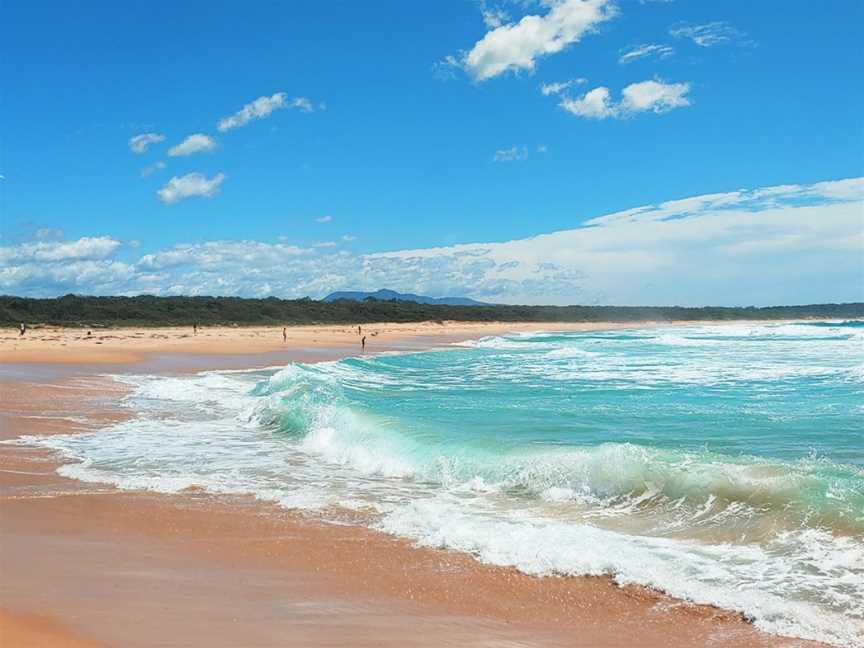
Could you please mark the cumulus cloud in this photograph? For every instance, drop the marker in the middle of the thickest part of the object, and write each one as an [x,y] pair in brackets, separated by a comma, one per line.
[645,96]
[646,50]
[140,143]
[261,108]
[512,154]
[87,248]
[710,34]
[783,244]
[197,143]
[594,104]
[516,46]
[192,184]
[558,87]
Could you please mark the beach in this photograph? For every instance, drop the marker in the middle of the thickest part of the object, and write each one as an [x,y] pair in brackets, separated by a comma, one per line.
[85,564]
[59,345]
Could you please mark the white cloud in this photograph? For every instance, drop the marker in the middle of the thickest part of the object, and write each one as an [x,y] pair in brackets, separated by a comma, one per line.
[197,143]
[645,96]
[215,255]
[782,244]
[261,108]
[495,17]
[734,248]
[325,244]
[654,96]
[86,248]
[153,168]
[558,87]
[324,219]
[140,143]
[594,104]
[192,184]
[710,34]
[648,50]
[348,238]
[517,46]
[512,154]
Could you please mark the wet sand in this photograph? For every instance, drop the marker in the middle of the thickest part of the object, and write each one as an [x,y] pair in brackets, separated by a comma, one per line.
[84,565]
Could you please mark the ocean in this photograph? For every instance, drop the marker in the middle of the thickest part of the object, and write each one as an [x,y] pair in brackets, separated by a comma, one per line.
[722,464]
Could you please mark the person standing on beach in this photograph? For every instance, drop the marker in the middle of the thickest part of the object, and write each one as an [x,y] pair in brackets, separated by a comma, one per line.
[195,329]
[23,329]
[359,330]
[363,344]
[284,334]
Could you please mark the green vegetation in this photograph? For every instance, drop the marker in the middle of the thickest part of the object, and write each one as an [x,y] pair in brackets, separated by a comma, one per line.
[146,310]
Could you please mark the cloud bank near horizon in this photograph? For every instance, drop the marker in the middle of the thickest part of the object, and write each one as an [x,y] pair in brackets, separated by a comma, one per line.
[775,245]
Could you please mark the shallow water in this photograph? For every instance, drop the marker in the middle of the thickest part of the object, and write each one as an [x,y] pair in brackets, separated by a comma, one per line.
[721,464]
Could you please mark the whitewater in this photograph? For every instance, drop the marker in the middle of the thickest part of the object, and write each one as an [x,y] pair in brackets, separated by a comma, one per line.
[722,464]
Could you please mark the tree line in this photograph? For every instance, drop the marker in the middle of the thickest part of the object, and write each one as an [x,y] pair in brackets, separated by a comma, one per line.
[148,310]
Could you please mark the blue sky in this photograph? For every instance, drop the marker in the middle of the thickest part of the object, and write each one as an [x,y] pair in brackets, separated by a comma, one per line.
[388,127]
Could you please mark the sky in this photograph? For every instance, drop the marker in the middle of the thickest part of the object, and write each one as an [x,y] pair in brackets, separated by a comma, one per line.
[519,151]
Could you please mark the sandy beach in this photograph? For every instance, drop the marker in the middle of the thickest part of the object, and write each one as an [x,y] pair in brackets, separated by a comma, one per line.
[85,565]
[48,344]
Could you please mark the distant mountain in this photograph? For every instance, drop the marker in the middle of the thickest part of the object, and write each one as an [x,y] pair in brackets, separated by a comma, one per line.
[387,295]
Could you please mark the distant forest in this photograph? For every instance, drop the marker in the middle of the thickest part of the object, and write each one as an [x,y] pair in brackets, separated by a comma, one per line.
[146,310]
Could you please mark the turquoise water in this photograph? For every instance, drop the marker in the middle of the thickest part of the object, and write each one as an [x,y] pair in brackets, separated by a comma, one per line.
[722,464]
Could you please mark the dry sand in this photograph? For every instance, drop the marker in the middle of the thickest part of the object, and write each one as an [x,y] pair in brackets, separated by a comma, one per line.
[84,566]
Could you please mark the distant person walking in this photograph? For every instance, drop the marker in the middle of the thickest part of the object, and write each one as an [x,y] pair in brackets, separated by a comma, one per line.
[22,328]
[359,330]
[284,334]
[195,329]
[363,343]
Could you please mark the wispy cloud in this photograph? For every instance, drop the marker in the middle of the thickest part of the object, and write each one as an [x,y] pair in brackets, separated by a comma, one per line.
[513,47]
[493,17]
[192,184]
[557,87]
[197,143]
[647,50]
[261,108]
[782,244]
[140,143]
[324,219]
[710,34]
[645,96]
[152,168]
[512,154]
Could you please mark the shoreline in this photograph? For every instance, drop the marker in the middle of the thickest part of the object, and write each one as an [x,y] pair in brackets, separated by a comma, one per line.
[134,345]
[260,555]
